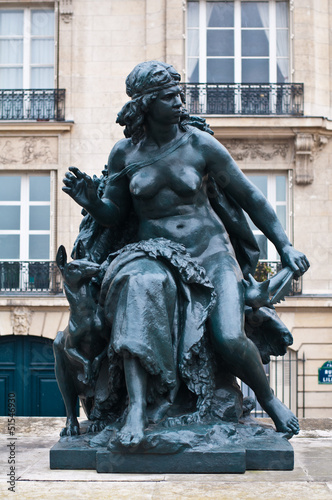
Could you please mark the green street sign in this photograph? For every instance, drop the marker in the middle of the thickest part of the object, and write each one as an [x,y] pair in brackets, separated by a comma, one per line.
[325,373]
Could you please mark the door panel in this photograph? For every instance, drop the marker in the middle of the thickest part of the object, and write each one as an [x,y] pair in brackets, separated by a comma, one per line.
[27,369]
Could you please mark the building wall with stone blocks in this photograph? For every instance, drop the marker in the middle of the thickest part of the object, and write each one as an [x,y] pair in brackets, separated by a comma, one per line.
[98,44]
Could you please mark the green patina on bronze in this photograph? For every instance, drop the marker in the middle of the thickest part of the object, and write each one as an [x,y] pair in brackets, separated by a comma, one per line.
[165,312]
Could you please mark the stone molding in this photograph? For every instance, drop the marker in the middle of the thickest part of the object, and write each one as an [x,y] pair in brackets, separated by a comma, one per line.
[252,150]
[66,10]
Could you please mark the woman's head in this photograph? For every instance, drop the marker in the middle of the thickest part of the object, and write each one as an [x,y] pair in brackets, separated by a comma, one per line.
[143,85]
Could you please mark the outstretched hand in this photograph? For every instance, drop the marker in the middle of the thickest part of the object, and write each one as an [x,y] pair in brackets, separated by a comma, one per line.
[80,187]
[294,259]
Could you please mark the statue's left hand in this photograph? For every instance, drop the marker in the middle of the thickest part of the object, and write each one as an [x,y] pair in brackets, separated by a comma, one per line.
[294,259]
[80,187]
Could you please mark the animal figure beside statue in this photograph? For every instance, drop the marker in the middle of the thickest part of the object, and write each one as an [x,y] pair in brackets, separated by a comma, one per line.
[81,365]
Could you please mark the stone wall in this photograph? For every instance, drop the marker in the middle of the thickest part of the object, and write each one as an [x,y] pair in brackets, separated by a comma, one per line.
[99,44]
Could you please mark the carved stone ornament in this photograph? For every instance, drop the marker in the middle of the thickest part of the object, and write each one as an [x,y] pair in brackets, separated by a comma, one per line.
[26,150]
[306,145]
[66,10]
[303,159]
[21,320]
[252,150]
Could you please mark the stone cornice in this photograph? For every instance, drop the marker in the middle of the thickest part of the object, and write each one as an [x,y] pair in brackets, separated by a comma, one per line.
[26,127]
[36,302]
[305,302]
[268,126]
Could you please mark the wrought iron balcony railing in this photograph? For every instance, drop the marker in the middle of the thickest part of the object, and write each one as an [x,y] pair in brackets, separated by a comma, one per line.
[244,99]
[33,104]
[266,269]
[30,277]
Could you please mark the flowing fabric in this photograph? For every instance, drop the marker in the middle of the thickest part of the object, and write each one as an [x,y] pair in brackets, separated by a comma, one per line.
[157,299]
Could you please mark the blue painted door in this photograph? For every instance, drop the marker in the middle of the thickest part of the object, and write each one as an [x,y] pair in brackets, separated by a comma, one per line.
[27,369]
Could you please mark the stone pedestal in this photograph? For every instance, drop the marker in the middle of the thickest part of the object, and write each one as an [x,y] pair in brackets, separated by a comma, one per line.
[229,448]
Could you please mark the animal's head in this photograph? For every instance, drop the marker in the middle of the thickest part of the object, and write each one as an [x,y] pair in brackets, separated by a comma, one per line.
[77,271]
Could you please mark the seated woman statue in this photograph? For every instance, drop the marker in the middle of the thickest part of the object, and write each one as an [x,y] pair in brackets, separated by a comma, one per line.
[176,297]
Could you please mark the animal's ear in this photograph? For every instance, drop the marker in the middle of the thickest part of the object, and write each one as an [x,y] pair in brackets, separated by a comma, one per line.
[80,250]
[61,257]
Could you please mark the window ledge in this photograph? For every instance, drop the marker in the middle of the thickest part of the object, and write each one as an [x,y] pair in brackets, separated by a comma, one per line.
[35,126]
[278,126]
[306,301]
[37,301]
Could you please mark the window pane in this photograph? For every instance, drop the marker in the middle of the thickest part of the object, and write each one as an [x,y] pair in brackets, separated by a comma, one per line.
[40,188]
[42,51]
[250,222]
[282,14]
[260,181]
[281,213]
[193,70]
[39,218]
[11,51]
[42,78]
[255,14]
[220,43]
[255,43]
[42,22]
[255,70]
[9,246]
[262,243]
[39,246]
[193,43]
[11,22]
[11,78]
[10,217]
[220,14]
[282,43]
[10,186]
[282,70]
[193,14]
[220,70]
[280,188]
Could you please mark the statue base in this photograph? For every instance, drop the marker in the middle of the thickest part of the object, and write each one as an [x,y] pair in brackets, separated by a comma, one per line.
[213,448]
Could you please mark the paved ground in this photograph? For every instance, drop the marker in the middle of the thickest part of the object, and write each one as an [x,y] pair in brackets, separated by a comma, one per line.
[310,479]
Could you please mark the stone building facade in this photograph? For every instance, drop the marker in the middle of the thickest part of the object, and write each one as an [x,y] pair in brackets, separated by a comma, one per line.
[87,48]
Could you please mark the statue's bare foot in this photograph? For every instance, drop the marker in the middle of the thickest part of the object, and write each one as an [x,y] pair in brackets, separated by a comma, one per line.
[132,432]
[72,427]
[285,420]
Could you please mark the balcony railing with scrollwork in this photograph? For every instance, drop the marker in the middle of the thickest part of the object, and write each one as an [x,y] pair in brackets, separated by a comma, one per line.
[36,277]
[266,269]
[244,99]
[33,104]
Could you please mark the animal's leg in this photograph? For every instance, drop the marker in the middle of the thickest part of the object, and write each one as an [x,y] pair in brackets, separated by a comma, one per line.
[67,387]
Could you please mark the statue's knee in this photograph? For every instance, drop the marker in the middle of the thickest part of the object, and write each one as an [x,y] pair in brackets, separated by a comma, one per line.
[151,280]
[233,348]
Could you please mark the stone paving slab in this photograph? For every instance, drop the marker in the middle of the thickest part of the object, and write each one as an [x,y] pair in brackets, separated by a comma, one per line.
[29,490]
[311,478]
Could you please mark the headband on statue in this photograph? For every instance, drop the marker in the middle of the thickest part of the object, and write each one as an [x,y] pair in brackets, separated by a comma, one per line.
[150,76]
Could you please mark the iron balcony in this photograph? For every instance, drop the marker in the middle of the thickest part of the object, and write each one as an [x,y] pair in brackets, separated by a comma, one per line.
[32,104]
[244,99]
[33,277]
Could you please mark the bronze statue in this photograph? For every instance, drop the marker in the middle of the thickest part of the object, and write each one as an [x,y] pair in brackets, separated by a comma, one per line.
[166,224]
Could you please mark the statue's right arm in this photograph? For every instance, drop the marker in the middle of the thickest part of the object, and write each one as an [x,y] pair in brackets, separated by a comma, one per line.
[113,207]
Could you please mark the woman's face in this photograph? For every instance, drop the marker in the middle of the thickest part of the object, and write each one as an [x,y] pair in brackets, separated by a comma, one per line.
[166,108]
